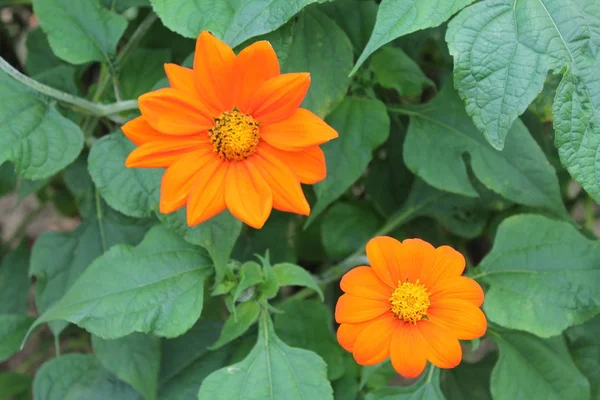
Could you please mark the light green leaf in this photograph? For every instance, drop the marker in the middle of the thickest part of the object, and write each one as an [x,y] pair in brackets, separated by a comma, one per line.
[542,276]
[584,346]
[13,384]
[14,281]
[250,274]
[156,287]
[534,368]
[427,388]
[12,331]
[217,235]
[308,325]
[363,125]
[81,31]
[355,17]
[348,226]
[134,359]
[141,70]
[78,377]
[393,69]
[440,133]
[293,275]
[272,370]
[237,324]
[322,48]
[397,18]
[33,134]
[132,191]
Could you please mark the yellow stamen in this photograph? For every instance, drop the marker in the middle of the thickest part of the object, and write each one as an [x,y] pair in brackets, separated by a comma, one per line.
[410,301]
[235,135]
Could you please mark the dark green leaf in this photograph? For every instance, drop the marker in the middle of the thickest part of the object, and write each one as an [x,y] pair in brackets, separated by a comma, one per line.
[293,275]
[14,281]
[8,178]
[355,17]
[346,387]
[12,384]
[250,275]
[12,331]
[393,69]
[469,381]
[428,388]
[142,69]
[236,325]
[28,187]
[122,5]
[377,376]
[40,57]
[584,345]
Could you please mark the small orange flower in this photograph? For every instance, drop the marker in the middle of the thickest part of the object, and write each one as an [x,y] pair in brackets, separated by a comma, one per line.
[231,135]
[412,304]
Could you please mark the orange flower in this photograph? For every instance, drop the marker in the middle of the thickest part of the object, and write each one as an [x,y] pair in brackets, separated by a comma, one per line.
[412,304]
[231,135]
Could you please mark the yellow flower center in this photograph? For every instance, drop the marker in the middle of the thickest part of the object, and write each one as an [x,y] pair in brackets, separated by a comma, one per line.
[234,136]
[410,301]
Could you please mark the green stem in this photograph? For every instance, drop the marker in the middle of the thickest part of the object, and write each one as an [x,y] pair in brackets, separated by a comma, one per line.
[136,37]
[401,110]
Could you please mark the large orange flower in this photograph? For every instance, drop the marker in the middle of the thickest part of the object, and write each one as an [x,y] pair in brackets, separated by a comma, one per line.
[231,135]
[412,304]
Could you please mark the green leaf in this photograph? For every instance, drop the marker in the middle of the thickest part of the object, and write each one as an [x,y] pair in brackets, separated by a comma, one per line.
[156,287]
[134,359]
[584,346]
[33,134]
[355,17]
[13,384]
[14,281]
[28,187]
[534,368]
[377,376]
[78,377]
[40,57]
[322,48]
[82,31]
[250,275]
[397,18]
[363,126]
[270,285]
[61,77]
[141,70]
[346,387]
[308,325]
[280,39]
[347,227]
[232,21]
[427,388]
[217,235]
[293,275]
[132,191]
[541,275]
[272,370]
[236,325]
[393,69]
[8,178]
[12,331]
[440,132]
[123,5]
[469,381]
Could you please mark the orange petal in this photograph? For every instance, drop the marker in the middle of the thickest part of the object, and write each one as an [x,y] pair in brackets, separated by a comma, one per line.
[214,67]
[383,254]
[408,350]
[175,112]
[443,348]
[255,65]
[279,97]
[287,192]
[308,164]
[372,345]
[362,282]
[207,198]
[347,334]
[415,256]
[355,309]
[162,154]
[180,177]
[301,129]
[247,194]
[182,79]
[139,131]
[447,263]
[465,320]
[460,288]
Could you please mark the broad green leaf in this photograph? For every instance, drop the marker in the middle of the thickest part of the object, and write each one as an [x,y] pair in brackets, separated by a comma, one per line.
[272,370]
[355,17]
[427,388]
[134,359]
[237,324]
[346,387]
[250,274]
[122,5]
[141,70]
[584,346]
[393,69]
[78,377]
[377,376]
[8,178]
[33,134]
[14,281]
[503,50]
[363,125]
[293,275]
[534,368]
[232,21]
[397,18]
[13,384]
[217,235]
[347,227]
[12,331]
[132,191]
[308,325]
[541,275]
[40,57]
[81,31]
[440,133]
[322,48]
[156,287]
[469,381]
